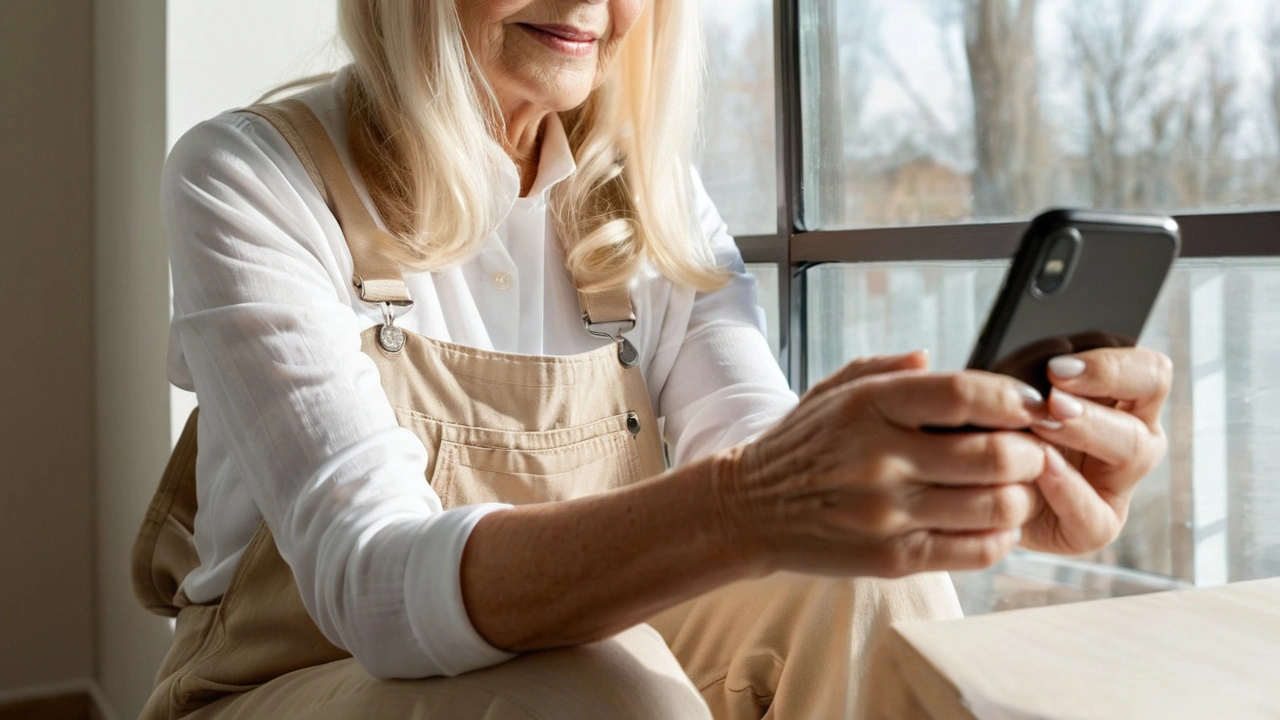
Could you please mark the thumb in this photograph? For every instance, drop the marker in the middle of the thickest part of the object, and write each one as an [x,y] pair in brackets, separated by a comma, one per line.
[874,365]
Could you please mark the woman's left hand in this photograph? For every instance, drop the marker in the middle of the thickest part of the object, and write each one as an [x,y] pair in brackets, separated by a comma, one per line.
[1104,418]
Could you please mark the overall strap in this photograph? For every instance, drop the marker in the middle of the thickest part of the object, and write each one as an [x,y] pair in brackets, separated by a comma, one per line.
[377,276]
[608,314]
[612,305]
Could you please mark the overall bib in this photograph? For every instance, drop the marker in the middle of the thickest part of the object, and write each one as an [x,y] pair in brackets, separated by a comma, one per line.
[516,429]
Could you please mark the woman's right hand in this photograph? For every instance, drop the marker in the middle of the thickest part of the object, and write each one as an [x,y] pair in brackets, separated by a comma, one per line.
[850,484]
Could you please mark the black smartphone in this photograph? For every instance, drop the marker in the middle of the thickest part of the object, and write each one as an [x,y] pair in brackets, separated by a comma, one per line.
[1081,280]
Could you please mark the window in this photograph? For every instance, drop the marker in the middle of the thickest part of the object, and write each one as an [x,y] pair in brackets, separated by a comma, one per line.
[736,152]
[963,110]
[1207,514]
[736,155]
[766,275]
[916,136]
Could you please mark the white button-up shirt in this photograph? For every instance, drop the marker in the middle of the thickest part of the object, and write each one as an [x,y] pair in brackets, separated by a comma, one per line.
[296,429]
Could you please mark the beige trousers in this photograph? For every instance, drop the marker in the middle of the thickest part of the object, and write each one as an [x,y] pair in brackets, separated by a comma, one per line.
[629,677]
[788,647]
[794,646]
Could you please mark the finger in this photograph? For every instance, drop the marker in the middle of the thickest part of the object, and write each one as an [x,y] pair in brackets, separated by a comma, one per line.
[941,550]
[977,458]
[863,367]
[1113,436]
[970,397]
[1086,521]
[1139,375]
[1003,507]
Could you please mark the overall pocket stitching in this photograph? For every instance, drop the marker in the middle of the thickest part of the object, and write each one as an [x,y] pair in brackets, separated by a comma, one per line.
[618,446]
[521,439]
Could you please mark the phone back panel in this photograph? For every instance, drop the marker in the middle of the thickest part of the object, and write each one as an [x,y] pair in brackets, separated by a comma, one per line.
[1120,266]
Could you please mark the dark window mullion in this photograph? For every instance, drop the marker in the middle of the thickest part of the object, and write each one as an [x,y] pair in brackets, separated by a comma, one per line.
[790,169]
[1205,235]
[761,248]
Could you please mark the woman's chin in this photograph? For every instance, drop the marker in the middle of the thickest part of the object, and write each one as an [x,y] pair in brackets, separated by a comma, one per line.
[557,97]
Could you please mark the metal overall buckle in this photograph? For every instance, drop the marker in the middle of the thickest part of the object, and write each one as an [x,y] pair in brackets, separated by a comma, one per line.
[627,353]
[390,337]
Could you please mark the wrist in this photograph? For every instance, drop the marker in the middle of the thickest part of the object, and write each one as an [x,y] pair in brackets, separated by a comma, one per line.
[737,519]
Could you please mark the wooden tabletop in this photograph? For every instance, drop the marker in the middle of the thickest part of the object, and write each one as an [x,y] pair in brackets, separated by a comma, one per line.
[1211,653]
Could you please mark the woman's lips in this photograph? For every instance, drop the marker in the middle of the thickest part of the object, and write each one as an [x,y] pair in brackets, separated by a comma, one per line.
[564,39]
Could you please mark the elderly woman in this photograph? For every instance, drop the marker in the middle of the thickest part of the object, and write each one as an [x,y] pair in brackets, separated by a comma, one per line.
[433,308]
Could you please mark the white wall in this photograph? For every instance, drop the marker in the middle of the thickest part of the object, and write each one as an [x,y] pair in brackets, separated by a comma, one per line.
[46,345]
[92,95]
[161,66]
[226,54]
[132,317]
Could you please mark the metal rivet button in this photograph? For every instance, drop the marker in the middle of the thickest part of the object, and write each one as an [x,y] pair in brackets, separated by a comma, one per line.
[633,424]
[502,281]
[391,338]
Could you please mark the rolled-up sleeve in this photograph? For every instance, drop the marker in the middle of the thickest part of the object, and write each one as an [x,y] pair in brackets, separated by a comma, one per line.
[725,386]
[272,346]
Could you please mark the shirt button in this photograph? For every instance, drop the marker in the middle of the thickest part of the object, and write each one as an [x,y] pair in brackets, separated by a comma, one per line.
[502,281]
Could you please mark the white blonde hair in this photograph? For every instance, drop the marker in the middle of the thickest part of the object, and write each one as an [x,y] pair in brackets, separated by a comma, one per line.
[424,138]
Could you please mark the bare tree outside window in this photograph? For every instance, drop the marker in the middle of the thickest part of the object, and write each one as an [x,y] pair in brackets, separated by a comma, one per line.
[1004,76]
[1163,110]
[1270,37]
[927,111]
[980,110]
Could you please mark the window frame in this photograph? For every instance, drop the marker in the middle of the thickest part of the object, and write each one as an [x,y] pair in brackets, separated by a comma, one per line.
[793,249]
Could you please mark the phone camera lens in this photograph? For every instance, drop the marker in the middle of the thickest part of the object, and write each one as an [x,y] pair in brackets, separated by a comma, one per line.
[1055,267]
[1049,281]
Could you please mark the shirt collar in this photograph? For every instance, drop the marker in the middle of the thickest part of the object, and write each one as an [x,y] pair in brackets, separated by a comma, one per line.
[556,161]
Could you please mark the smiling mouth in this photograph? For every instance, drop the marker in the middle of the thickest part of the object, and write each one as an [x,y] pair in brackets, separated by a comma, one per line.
[564,39]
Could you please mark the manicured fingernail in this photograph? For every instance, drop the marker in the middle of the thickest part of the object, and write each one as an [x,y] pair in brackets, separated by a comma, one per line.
[1065,407]
[1049,424]
[1066,367]
[1031,397]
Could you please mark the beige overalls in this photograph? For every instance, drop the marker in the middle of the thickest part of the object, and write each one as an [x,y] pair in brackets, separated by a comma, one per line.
[515,429]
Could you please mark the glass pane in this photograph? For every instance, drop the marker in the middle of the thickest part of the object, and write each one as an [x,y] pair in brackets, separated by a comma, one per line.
[1209,513]
[736,152]
[878,308]
[766,275]
[943,111]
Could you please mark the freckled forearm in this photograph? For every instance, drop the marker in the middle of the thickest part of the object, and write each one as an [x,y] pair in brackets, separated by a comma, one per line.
[560,574]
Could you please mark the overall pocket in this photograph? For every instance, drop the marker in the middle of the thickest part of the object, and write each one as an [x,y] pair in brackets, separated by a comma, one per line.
[480,465]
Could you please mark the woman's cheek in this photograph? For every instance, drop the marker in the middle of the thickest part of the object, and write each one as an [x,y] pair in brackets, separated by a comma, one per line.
[498,9]
[623,17]
[624,14]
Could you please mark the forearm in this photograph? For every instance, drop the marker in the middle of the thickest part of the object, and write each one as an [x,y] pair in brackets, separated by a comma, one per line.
[559,574]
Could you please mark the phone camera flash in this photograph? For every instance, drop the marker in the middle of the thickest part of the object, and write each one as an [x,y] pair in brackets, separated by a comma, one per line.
[1055,267]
